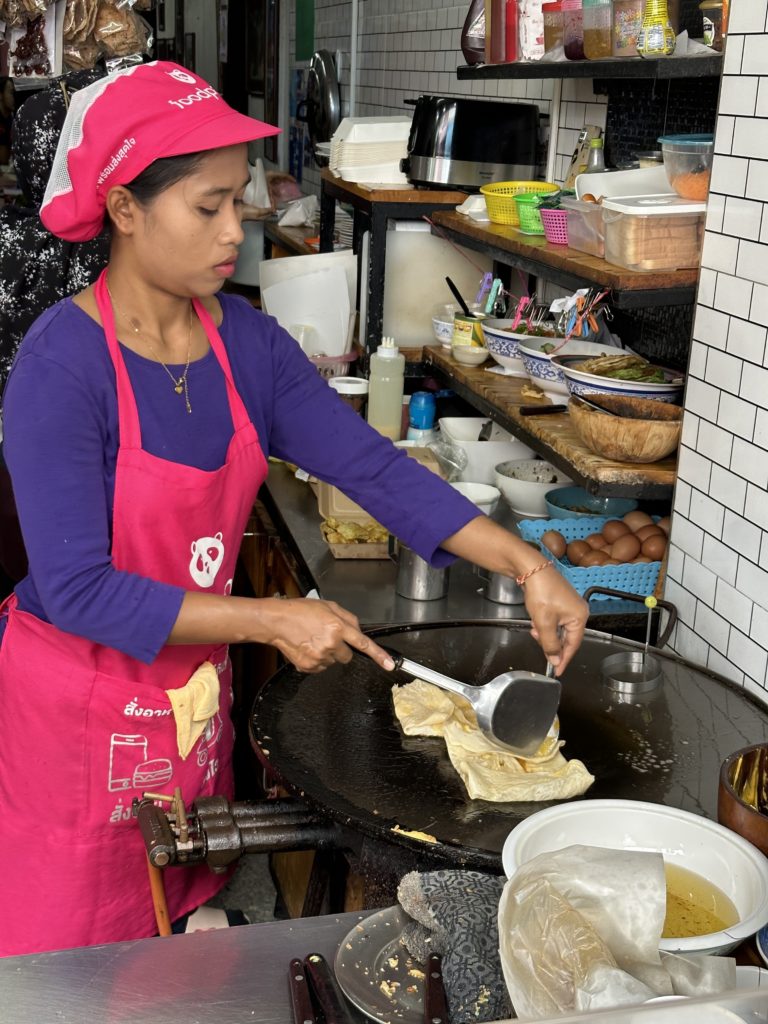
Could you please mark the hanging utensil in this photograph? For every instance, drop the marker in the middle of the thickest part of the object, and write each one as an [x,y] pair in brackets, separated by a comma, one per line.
[516,709]
[650,604]
[458,296]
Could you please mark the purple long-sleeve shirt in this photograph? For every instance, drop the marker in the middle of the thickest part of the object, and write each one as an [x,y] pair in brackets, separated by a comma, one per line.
[61,438]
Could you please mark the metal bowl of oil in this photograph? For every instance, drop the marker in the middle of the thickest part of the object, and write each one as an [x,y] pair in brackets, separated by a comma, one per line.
[742,797]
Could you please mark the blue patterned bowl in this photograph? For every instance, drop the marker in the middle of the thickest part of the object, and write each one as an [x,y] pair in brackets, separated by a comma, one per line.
[543,371]
[580,383]
[502,344]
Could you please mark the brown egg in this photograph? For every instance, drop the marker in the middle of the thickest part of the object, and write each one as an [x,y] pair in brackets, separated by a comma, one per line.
[636,519]
[641,559]
[596,540]
[576,551]
[592,558]
[614,529]
[625,548]
[648,531]
[654,547]
[664,524]
[555,542]
[611,561]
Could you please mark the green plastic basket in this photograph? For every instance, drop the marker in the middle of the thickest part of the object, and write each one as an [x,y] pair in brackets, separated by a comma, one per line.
[528,212]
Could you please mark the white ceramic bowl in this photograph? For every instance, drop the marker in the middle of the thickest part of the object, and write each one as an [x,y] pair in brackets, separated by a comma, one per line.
[482,456]
[469,355]
[696,843]
[503,344]
[484,496]
[548,375]
[525,482]
[443,330]
[580,383]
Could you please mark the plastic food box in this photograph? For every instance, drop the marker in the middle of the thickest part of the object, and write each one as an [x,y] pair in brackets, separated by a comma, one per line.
[660,232]
[585,226]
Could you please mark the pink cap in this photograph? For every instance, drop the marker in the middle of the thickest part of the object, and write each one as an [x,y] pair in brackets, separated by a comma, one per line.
[119,125]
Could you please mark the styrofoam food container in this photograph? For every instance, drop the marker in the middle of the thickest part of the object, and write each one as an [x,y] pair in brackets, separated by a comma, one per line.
[482,456]
[634,182]
[485,496]
[525,483]
[548,375]
[690,840]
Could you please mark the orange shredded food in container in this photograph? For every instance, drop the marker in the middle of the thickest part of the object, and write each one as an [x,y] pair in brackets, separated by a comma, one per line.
[692,185]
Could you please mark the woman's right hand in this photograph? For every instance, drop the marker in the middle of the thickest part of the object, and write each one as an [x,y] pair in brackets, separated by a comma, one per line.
[313,635]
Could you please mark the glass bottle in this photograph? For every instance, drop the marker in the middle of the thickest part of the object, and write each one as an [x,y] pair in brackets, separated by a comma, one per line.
[627,22]
[573,30]
[657,37]
[473,33]
[553,25]
[596,158]
[597,22]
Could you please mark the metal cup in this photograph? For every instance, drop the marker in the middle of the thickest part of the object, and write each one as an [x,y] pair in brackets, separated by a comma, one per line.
[417,579]
[503,589]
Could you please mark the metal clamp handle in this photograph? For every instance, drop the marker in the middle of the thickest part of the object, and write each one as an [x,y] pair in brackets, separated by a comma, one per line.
[666,605]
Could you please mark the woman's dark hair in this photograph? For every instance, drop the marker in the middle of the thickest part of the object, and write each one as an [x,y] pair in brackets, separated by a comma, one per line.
[161,175]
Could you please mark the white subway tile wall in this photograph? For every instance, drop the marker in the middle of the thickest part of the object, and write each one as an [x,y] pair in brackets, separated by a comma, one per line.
[720,523]
[407,48]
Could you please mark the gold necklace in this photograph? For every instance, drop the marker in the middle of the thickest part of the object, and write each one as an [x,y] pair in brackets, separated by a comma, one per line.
[180,384]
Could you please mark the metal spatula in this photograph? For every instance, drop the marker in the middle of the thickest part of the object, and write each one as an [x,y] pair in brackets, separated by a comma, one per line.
[515,709]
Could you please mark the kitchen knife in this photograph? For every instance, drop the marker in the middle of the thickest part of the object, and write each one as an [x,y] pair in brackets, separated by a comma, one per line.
[327,992]
[435,1004]
[301,1002]
[541,410]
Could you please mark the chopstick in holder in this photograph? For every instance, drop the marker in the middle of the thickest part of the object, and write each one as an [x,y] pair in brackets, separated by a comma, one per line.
[327,992]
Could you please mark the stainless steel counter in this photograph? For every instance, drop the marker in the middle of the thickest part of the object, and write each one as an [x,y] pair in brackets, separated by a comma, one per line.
[367,587]
[229,976]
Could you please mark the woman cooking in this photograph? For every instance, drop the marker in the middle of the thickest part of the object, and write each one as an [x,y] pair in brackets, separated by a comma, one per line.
[138,419]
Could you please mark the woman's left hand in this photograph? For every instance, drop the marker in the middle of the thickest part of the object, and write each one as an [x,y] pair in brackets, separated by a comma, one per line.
[558,616]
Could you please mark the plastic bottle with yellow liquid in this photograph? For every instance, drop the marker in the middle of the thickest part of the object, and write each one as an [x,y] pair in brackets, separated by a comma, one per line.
[657,37]
[385,389]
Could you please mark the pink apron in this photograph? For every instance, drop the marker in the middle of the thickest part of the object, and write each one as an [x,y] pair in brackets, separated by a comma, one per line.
[86,728]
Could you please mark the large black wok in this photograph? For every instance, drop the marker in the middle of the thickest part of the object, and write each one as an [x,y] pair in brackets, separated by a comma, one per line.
[333,738]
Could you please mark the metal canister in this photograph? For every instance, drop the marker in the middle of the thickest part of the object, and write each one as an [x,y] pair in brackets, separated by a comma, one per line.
[467,330]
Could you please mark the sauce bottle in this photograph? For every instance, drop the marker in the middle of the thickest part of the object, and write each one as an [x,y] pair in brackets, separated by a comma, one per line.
[385,389]
[657,37]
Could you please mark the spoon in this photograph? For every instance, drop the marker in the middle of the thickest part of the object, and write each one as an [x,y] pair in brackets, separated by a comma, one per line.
[458,296]
[650,604]
[516,709]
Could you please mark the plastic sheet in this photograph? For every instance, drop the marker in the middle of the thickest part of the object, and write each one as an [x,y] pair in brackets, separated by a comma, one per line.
[579,930]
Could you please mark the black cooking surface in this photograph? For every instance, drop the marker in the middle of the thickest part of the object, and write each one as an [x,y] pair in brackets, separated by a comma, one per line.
[334,738]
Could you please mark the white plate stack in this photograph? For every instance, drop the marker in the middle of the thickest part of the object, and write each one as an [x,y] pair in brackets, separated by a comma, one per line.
[369,149]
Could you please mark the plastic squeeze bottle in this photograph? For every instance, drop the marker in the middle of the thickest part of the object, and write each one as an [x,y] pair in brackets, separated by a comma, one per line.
[385,389]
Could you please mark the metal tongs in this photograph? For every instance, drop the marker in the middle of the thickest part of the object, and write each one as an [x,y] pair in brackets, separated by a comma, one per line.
[516,709]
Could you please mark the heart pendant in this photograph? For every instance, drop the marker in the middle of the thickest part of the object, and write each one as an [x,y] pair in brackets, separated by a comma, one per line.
[178,389]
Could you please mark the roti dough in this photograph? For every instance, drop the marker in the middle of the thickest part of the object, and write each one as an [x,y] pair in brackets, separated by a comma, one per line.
[489,771]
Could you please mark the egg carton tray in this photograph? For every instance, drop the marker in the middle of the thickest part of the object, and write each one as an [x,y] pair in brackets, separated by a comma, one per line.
[633,578]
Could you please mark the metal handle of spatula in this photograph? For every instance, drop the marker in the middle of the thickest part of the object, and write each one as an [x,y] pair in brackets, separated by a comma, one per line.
[516,709]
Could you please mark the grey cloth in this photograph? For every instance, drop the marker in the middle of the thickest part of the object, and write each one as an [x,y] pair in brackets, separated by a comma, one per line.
[455,914]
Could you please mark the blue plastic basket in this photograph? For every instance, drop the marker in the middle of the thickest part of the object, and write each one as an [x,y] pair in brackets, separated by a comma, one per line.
[639,578]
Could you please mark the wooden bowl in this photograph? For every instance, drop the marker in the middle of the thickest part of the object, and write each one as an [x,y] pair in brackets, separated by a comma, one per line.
[742,797]
[642,430]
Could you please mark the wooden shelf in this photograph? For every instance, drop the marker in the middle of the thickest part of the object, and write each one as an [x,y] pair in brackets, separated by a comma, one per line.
[552,434]
[708,65]
[568,267]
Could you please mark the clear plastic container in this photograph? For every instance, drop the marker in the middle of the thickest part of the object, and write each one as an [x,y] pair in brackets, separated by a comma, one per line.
[573,30]
[627,21]
[653,233]
[712,13]
[597,24]
[553,25]
[585,226]
[688,163]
